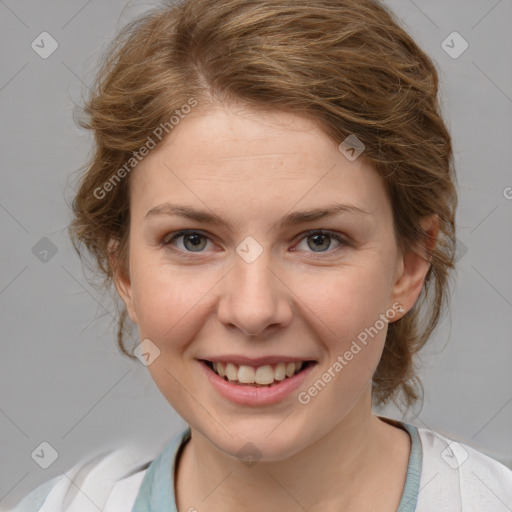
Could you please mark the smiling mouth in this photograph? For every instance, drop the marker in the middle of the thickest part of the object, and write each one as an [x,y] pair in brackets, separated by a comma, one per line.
[262,376]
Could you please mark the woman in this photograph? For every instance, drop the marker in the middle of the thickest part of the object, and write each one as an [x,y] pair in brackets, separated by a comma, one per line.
[273,196]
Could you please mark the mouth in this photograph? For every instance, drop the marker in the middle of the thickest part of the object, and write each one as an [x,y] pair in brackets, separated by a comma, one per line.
[265,376]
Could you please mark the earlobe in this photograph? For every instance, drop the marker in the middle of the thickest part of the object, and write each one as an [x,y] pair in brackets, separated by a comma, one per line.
[122,282]
[124,289]
[414,265]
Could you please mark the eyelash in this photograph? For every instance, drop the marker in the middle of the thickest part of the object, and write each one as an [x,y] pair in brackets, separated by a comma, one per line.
[166,242]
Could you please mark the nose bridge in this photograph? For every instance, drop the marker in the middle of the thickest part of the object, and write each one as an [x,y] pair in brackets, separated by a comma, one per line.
[254,298]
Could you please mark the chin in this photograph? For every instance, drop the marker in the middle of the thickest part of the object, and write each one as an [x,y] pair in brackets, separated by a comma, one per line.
[261,441]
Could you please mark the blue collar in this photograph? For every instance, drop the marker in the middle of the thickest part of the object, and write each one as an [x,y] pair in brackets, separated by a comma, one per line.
[412,480]
[156,493]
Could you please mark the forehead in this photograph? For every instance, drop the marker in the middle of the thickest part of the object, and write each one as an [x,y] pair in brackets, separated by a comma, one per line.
[238,157]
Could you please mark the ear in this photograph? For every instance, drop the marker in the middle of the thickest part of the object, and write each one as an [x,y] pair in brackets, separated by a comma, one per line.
[413,266]
[121,280]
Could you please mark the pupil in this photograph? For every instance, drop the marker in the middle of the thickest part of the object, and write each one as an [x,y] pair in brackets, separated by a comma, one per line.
[323,237]
[195,239]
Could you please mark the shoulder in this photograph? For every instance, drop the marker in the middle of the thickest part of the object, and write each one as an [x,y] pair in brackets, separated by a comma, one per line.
[457,476]
[108,482]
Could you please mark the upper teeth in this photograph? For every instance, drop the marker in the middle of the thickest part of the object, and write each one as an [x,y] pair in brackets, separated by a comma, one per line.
[261,375]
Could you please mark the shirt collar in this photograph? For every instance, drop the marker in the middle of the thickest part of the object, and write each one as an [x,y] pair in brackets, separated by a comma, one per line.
[156,493]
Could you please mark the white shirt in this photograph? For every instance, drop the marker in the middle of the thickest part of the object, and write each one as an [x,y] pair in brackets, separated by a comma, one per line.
[443,476]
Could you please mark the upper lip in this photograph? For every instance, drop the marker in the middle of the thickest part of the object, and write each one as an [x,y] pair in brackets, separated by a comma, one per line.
[255,361]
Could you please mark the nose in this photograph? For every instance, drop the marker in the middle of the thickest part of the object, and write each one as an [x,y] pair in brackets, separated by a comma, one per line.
[254,298]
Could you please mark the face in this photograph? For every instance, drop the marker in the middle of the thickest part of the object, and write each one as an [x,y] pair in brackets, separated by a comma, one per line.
[249,280]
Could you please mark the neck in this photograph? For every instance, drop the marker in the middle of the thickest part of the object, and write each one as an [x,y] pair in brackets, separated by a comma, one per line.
[340,469]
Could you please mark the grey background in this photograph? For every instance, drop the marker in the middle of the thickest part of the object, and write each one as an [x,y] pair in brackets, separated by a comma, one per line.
[62,379]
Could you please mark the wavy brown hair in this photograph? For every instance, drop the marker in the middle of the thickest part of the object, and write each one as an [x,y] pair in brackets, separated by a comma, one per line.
[347,64]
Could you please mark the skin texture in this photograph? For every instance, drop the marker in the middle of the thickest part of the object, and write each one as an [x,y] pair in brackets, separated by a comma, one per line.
[296,298]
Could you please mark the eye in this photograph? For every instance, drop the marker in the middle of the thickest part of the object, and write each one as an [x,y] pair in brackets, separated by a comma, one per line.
[322,240]
[192,241]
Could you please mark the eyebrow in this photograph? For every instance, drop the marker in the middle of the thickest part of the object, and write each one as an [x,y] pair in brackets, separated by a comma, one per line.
[291,219]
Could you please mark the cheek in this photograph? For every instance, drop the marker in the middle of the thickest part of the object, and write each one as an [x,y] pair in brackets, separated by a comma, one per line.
[167,300]
[347,318]
[346,301]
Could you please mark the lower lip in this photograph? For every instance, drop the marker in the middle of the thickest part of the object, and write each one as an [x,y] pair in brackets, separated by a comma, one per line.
[251,395]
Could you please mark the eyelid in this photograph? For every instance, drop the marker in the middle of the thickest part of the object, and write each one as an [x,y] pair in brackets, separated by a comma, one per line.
[169,237]
[333,234]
